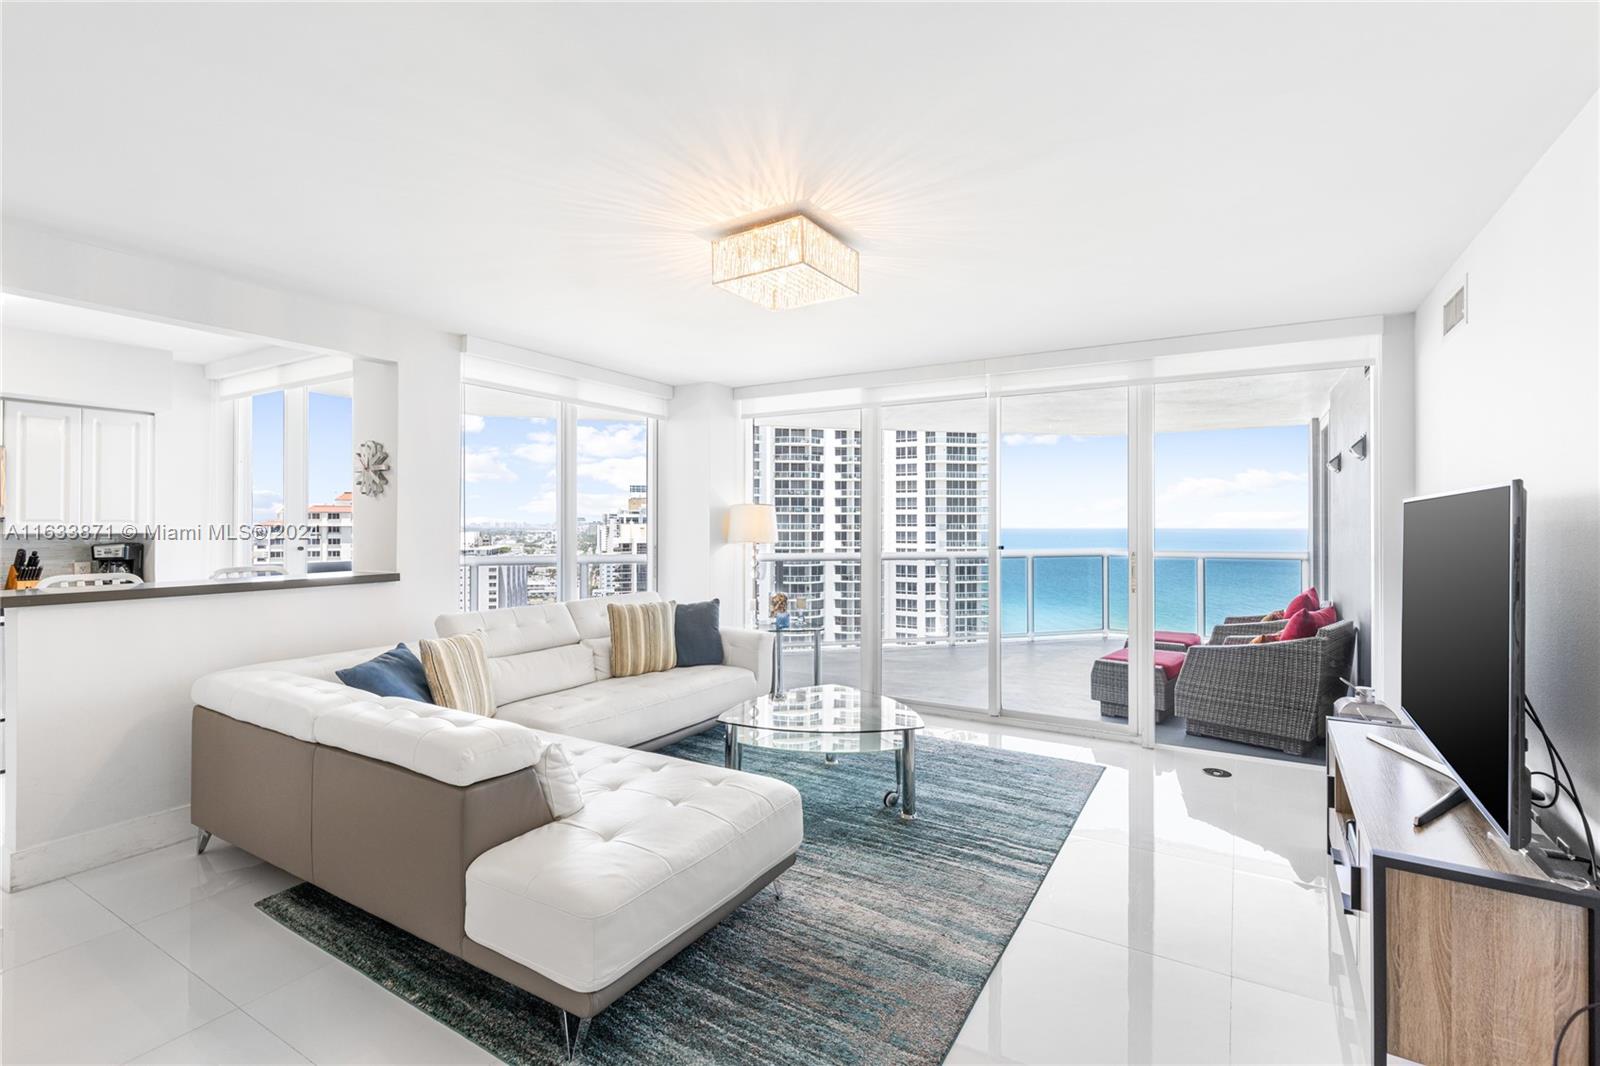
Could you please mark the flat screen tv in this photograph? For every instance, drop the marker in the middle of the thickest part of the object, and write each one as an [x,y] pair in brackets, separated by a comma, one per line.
[1461,653]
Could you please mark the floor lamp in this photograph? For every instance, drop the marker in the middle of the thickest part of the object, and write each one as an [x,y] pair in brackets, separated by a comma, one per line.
[754,524]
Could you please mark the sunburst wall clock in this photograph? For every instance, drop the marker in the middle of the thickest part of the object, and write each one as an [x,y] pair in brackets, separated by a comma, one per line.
[372,468]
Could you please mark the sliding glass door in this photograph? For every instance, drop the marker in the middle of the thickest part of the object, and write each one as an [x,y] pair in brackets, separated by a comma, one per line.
[1065,609]
[935,553]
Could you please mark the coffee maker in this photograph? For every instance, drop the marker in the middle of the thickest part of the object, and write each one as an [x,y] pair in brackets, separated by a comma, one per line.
[124,557]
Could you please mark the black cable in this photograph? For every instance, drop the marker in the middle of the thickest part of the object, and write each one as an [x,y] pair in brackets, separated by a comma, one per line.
[1571,788]
[1555,1060]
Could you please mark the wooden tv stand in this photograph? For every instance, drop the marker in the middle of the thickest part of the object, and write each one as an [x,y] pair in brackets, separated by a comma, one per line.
[1465,950]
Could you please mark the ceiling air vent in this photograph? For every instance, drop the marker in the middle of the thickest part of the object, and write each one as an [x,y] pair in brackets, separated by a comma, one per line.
[1455,309]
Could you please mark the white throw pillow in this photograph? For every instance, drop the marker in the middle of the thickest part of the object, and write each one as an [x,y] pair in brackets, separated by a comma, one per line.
[559,781]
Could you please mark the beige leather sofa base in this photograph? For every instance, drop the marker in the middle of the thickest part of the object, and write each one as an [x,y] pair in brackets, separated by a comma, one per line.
[390,841]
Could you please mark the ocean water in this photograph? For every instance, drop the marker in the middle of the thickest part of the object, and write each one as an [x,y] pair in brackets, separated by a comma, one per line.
[1069,591]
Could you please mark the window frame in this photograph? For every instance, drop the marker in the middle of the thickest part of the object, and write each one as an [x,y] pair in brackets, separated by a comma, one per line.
[295,473]
[567,560]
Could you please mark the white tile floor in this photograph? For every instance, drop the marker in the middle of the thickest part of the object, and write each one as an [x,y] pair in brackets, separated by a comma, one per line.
[1185,921]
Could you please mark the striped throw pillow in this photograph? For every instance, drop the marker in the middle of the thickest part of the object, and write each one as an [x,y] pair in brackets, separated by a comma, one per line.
[458,673]
[642,638]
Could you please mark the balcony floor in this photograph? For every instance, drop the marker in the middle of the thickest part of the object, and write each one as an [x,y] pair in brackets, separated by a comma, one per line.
[1048,676]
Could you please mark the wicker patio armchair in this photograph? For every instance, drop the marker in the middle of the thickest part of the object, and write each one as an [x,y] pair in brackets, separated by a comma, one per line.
[1245,625]
[1275,695]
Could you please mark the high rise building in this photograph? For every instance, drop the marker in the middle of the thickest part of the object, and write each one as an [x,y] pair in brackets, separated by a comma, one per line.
[328,535]
[624,532]
[936,502]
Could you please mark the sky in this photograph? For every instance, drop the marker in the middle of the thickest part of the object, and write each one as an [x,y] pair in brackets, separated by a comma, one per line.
[511,467]
[1215,479]
[1209,479]
[330,453]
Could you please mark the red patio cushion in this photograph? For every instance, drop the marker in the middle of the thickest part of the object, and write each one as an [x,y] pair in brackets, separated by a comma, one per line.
[1304,624]
[1172,636]
[1170,661]
[1306,601]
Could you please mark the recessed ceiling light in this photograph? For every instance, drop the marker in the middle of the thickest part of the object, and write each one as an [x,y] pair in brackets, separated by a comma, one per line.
[788,263]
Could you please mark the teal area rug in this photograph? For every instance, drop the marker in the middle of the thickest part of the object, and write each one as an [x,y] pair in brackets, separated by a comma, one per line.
[885,935]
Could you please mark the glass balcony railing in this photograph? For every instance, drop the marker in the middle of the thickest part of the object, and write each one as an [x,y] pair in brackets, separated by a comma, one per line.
[944,596]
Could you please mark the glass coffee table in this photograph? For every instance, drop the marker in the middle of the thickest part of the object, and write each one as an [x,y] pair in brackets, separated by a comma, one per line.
[830,720]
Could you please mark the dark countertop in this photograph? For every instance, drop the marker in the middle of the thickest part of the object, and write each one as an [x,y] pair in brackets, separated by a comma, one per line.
[154,590]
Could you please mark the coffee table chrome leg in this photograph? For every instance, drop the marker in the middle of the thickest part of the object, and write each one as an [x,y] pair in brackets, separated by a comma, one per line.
[906,767]
[730,747]
[777,661]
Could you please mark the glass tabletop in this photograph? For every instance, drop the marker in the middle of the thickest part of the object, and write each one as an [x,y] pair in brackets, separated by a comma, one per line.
[823,709]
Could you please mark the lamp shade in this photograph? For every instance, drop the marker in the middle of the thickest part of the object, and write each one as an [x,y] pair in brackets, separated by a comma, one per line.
[752,523]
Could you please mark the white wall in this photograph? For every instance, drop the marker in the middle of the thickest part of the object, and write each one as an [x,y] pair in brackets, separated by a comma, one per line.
[98,707]
[701,473]
[1348,509]
[100,758]
[1515,392]
[376,405]
[88,373]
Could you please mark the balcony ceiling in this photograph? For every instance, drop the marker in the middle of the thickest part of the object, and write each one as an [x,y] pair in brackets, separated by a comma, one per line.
[1016,179]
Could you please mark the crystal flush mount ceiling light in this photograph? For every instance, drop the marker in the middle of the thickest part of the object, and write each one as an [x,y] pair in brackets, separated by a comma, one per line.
[788,263]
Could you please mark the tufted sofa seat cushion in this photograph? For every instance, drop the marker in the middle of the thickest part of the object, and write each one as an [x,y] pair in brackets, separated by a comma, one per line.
[624,710]
[659,843]
[302,698]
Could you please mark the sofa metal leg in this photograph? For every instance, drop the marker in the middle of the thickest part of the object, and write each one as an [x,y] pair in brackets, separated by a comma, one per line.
[201,841]
[573,1030]
[777,887]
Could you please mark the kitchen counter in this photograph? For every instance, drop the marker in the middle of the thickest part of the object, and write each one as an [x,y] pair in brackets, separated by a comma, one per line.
[152,590]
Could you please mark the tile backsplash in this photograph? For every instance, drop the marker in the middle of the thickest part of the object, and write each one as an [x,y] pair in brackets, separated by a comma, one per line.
[56,555]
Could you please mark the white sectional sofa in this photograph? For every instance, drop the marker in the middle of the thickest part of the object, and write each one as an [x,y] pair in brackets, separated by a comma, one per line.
[442,823]
[550,666]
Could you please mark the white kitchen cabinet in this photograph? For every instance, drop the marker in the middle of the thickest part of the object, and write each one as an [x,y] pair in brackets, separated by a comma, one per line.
[71,465]
[116,466]
[44,447]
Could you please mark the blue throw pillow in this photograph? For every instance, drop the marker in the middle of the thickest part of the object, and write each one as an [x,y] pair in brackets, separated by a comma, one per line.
[697,628]
[394,673]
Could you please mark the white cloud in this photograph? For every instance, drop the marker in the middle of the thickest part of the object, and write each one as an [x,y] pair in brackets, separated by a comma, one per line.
[1018,439]
[623,473]
[541,448]
[619,440]
[486,464]
[472,423]
[1245,483]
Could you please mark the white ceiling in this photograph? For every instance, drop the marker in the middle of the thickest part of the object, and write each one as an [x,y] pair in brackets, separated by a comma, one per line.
[186,345]
[1016,178]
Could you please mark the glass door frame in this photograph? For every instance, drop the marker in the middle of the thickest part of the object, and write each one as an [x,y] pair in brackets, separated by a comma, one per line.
[1141,701]
[1141,601]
